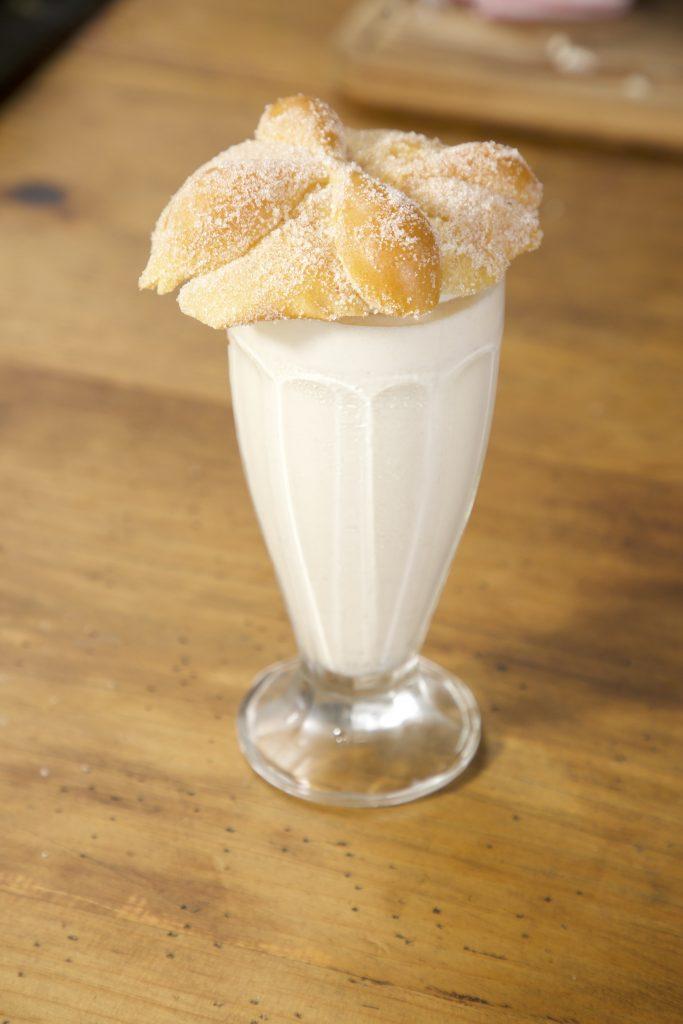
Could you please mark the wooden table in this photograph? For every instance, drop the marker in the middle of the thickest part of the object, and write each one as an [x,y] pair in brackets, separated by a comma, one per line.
[145,874]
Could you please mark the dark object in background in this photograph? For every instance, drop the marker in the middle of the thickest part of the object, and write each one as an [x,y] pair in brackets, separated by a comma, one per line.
[31,30]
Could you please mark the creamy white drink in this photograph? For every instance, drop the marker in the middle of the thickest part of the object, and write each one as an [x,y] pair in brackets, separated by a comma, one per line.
[363,443]
[363,385]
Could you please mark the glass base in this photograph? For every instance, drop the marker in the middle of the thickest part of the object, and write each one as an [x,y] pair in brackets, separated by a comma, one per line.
[367,742]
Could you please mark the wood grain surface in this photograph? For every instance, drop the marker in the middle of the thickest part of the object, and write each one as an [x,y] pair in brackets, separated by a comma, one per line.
[145,874]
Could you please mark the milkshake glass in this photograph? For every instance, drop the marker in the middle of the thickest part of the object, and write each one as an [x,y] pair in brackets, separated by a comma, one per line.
[363,443]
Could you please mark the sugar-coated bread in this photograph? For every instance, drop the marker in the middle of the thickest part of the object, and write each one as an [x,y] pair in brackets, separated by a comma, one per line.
[312,220]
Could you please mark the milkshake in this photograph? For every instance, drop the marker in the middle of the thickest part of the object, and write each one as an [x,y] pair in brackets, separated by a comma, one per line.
[363,443]
[360,276]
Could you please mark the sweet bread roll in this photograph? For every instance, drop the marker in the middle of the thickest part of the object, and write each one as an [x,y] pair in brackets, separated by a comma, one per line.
[312,220]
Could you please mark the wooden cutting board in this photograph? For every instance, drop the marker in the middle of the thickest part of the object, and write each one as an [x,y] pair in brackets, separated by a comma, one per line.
[619,80]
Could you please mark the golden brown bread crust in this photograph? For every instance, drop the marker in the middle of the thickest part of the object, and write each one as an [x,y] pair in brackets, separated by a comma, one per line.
[294,272]
[312,220]
[224,209]
[303,121]
[481,199]
[386,246]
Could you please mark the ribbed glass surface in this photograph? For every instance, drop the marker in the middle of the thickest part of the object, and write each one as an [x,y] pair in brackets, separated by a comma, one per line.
[363,490]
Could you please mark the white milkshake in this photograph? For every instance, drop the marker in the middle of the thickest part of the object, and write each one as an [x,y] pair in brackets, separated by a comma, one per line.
[363,443]
[363,401]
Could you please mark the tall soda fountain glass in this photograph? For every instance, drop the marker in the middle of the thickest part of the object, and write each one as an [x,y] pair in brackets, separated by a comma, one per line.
[363,443]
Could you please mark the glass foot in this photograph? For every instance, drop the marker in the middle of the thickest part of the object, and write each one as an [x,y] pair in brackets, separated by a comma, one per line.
[368,742]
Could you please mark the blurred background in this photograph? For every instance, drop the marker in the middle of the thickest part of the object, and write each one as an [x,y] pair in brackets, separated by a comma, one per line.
[108,106]
[597,68]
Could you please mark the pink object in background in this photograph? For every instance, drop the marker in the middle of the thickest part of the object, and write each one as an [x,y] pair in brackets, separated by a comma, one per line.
[550,10]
